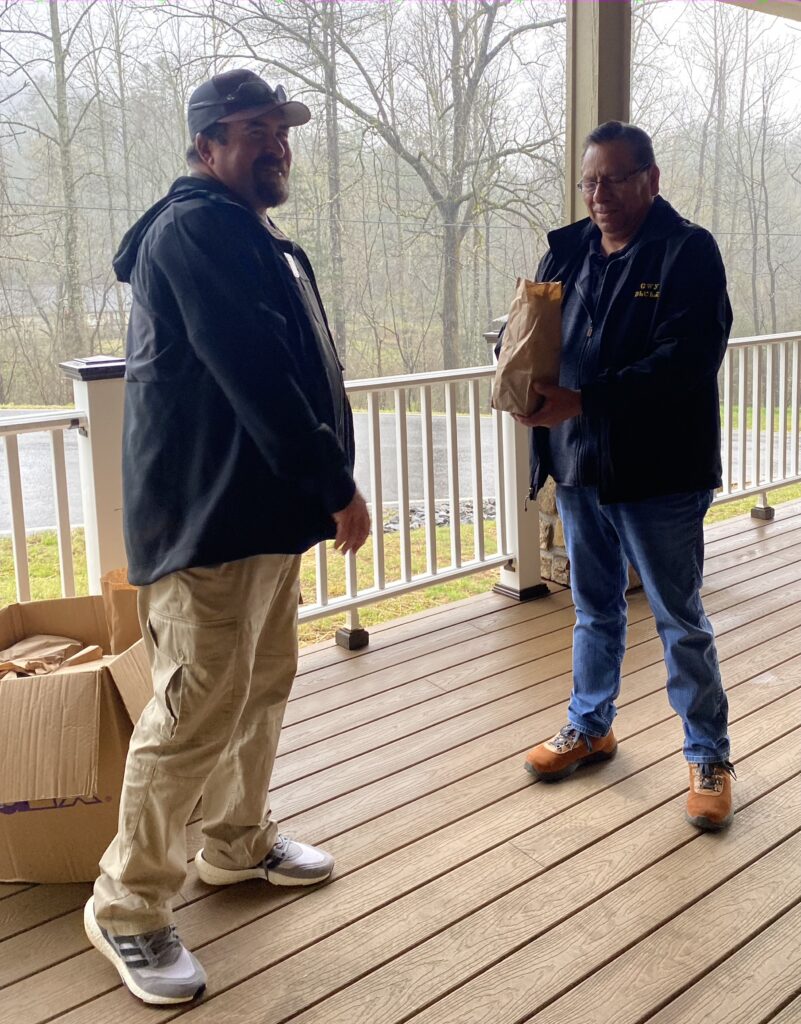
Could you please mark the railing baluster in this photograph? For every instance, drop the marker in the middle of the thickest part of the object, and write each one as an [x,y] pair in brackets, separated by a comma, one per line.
[321,568]
[376,487]
[351,584]
[769,425]
[349,636]
[500,481]
[728,433]
[352,620]
[794,422]
[402,453]
[478,489]
[742,417]
[427,425]
[62,513]
[18,536]
[782,410]
[756,418]
[453,475]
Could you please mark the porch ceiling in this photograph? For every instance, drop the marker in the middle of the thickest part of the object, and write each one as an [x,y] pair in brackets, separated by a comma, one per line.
[781,8]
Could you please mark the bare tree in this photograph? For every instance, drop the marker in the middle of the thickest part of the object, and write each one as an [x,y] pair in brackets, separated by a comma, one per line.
[447,52]
[47,43]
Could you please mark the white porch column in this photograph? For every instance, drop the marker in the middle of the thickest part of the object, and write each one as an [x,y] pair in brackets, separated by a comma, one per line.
[598,81]
[520,576]
[98,388]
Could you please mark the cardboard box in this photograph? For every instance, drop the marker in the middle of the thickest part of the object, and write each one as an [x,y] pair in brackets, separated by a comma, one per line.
[63,742]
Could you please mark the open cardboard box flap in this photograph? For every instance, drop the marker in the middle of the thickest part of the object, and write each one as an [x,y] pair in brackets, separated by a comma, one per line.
[80,618]
[131,674]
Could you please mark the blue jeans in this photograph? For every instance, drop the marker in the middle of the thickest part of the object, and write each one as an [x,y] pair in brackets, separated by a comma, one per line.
[663,539]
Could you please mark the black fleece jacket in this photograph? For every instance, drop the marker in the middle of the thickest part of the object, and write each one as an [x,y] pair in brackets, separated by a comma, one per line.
[238,435]
[660,336]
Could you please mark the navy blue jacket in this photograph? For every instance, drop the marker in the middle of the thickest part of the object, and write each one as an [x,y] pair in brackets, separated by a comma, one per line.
[238,435]
[661,336]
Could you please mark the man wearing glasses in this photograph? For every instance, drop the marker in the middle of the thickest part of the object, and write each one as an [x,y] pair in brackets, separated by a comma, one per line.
[632,438]
[237,457]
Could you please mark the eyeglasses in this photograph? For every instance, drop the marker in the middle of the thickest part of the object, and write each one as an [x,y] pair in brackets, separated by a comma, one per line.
[613,182]
[248,94]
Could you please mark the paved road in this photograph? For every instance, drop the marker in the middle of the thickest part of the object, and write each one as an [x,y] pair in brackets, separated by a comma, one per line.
[37,484]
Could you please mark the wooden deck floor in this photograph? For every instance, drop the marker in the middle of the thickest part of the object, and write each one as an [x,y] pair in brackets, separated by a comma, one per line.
[465,892]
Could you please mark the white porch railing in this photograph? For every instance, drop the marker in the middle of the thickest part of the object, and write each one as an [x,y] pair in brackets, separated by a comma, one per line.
[431,453]
[438,456]
[439,461]
[759,386]
[55,423]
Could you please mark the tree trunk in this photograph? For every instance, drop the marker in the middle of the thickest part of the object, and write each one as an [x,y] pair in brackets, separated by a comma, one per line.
[334,185]
[121,91]
[719,168]
[451,244]
[475,327]
[487,266]
[74,313]
[771,266]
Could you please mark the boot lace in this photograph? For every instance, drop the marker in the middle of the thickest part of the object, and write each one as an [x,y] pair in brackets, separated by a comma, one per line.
[567,738]
[710,776]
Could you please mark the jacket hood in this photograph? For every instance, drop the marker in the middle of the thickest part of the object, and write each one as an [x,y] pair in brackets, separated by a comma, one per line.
[182,189]
[662,220]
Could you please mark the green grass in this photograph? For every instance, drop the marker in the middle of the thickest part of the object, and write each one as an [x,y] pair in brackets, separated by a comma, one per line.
[742,507]
[46,583]
[749,418]
[43,566]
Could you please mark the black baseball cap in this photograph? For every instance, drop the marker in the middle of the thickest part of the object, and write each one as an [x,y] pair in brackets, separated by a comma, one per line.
[237,96]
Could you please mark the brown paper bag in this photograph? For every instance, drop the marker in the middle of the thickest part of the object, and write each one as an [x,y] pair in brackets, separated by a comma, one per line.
[531,346]
[119,600]
[91,653]
[37,655]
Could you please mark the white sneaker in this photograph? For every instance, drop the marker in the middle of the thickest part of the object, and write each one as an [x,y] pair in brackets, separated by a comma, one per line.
[155,966]
[288,863]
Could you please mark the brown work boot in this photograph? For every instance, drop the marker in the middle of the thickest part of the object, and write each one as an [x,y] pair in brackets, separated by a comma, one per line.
[568,750]
[709,800]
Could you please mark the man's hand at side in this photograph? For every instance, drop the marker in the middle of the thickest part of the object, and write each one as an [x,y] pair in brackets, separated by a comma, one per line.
[353,525]
[560,404]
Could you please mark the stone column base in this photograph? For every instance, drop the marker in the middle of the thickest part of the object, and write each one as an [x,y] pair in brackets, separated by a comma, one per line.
[554,563]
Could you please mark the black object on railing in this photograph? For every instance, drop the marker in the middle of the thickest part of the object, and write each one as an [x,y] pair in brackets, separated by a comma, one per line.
[94,368]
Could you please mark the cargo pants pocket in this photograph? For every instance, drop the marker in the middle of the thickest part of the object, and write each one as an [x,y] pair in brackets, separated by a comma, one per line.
[194,678]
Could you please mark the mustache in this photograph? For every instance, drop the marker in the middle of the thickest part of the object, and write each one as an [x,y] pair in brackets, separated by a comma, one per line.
[269,163]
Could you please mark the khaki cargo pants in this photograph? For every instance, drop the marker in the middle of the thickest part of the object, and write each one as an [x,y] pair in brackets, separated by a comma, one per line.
[223,648]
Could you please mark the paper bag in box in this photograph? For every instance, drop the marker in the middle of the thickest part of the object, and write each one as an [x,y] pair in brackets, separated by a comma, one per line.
[119,599]
[530,348]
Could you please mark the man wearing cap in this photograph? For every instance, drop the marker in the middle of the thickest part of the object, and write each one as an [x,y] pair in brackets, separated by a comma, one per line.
[237,457]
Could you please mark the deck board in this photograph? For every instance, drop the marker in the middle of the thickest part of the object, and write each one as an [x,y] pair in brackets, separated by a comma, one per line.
[790,1013]
[464,891]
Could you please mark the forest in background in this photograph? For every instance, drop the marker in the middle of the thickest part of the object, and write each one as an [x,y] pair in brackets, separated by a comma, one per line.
[426,181]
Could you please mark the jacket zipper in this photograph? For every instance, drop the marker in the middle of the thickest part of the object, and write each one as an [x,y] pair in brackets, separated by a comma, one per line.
[579,366]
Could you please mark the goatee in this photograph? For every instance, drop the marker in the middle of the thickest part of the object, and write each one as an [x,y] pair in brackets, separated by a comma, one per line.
[273,193]
[272,188]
